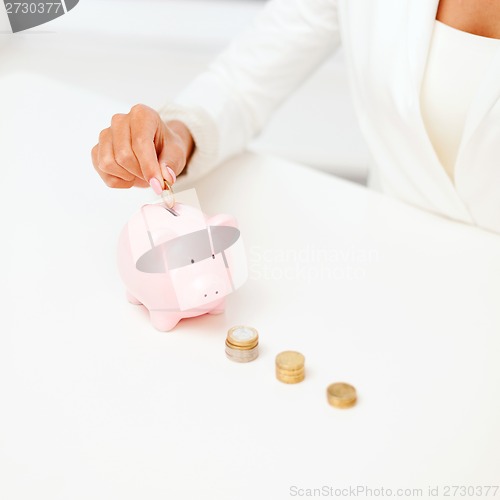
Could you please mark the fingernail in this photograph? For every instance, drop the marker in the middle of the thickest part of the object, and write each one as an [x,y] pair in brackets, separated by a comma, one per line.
[170,172]
[155,185]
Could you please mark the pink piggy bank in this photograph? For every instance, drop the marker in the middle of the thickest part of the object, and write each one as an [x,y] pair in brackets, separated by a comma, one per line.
[180,263]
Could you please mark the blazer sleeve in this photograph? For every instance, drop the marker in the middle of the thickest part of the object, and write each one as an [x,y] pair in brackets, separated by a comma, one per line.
[227,105]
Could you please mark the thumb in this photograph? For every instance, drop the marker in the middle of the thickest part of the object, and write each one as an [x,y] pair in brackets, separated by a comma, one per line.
[172,160]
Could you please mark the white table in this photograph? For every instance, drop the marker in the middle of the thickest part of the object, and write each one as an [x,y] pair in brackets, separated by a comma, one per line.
[97,404]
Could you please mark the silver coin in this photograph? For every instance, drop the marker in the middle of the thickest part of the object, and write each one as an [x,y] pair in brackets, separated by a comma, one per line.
[242,356]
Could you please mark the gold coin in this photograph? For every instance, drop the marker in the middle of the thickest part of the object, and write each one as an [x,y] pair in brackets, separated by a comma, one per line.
[341,395]
[288,379]
[241,348]
[290,367]
[242,336]
[290,373]
[167,194]
[290,360]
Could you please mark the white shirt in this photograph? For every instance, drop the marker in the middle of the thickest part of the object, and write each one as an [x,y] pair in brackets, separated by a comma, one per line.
[456,64]
[386,45]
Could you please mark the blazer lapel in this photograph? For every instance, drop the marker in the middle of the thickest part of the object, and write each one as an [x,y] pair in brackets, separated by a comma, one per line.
[422,14]
[436,184]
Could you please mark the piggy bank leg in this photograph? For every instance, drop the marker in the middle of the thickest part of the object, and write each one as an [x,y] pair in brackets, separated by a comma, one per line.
[163,320]
[219,308]
[132,299]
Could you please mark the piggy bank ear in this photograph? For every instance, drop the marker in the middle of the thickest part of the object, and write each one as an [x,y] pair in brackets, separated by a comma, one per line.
[222,220]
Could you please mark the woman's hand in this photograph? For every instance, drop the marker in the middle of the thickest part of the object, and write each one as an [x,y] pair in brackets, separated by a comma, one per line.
[139,149]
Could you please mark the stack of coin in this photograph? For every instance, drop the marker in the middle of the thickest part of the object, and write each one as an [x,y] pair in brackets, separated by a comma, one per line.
[290,367]
[242,344]
[341,395]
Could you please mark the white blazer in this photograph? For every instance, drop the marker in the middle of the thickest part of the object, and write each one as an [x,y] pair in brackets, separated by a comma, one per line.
[386,43]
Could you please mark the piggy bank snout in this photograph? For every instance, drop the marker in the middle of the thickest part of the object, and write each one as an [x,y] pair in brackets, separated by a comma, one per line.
[209,287]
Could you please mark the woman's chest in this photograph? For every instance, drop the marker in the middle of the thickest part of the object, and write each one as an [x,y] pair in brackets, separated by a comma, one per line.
[387,44]
[479,17]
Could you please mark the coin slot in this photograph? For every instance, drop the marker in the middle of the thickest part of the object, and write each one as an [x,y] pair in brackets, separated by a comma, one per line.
[172,211]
